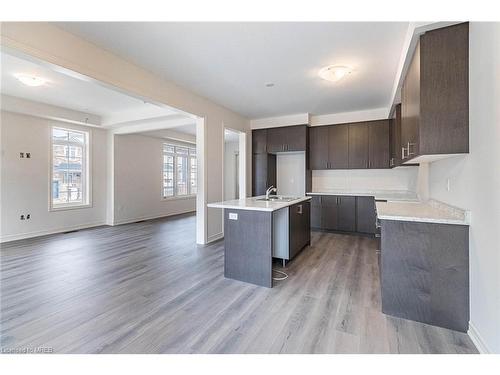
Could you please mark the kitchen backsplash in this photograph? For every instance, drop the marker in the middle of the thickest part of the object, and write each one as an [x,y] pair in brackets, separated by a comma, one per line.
[402,178]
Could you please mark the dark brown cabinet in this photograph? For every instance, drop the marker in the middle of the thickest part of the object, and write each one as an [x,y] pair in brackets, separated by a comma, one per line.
[316,212]
[329,212]
[338,146]
[395,137]
[379,144]
[366,216]
[263,173]
[318,147]
[299,219]
[435,95]
[328,147]
[346,211]
[358,145]
[332,212]
[288,138]
[259,141]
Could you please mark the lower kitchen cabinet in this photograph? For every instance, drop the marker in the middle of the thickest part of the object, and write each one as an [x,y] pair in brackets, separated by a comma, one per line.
[299,227]
[366,215]
[425,272]
[340,213]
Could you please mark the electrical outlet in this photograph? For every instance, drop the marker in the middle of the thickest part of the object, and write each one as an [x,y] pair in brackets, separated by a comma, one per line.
[22,217]
[233,216]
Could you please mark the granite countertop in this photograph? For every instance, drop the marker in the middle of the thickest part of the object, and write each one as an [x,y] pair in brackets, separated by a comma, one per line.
[427,212]
[389,195]
[254,204]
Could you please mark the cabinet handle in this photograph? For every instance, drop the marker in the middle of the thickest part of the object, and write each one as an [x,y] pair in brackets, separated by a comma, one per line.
[326,165]
[391,162]
[403,153]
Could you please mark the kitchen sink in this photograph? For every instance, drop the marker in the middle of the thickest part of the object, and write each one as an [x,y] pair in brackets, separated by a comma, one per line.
[277,198]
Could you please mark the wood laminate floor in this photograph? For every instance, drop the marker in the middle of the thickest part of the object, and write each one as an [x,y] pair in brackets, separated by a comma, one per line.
[147,288]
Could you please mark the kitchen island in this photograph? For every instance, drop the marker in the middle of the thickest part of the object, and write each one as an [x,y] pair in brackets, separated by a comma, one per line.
[256,230]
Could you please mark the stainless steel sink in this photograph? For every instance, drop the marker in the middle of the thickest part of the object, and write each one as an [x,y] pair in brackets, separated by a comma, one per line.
[277,198]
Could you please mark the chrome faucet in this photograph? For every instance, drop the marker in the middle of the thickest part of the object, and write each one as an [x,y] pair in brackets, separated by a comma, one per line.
[270,190]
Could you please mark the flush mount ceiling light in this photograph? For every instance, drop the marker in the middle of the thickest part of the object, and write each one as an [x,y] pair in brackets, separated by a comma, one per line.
[30,80]
[334,73]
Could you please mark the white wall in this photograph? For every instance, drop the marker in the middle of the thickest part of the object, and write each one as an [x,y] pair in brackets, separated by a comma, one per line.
[44,41]
[290,173]
[138,181]
[401,178]
[475,183]
[25,182]
[230,176]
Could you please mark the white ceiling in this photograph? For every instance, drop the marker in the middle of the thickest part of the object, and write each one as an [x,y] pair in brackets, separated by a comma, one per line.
[230,63]
[62,90]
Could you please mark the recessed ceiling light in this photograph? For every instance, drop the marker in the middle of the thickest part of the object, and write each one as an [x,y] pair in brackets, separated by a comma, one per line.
[30,80]
[270,84]
[334,73]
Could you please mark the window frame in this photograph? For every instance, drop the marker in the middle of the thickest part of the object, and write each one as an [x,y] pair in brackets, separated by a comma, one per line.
[175,155]
[86,169]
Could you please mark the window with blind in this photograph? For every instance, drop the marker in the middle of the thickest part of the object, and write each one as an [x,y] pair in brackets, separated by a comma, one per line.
[179,171]
[69,169]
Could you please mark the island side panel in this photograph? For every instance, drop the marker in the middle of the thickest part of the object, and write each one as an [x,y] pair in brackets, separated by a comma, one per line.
[248,245]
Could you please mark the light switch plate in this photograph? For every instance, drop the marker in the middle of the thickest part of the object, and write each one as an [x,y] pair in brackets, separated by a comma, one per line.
[233,216]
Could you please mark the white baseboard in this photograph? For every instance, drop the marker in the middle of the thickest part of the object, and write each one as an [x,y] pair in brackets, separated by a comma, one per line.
[22,236]
[477,339]
[149,217]
[215,237]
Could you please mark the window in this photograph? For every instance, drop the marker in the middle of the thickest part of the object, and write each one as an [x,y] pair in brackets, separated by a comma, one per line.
[179,171]
[69,171]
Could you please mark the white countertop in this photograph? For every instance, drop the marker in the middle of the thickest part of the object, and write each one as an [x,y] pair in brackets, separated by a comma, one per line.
[427,212]
[389,195]
[255,205]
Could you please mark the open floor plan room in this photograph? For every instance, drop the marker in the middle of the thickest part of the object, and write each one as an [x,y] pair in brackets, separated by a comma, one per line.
[250,187]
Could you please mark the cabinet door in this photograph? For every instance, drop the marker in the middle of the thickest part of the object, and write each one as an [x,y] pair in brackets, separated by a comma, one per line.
[378,144]
[306,223]
[395,135]
[316,212]
[358,145]
[259,174]
[366,216]
[263,173]
[259,141]
[296,138]
[411,108]
[276,139]
[338,146]
[444,90]
[299,219]
[318,147]
[329,212]
[346,214]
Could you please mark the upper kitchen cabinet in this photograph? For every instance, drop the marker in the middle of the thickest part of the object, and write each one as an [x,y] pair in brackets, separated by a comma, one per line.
[338,146]
[287,138]
[379,144]
[435,96]
[358,145]
[328,147]
[395,137]
[259,141]
[318,147]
